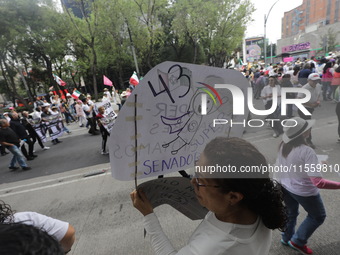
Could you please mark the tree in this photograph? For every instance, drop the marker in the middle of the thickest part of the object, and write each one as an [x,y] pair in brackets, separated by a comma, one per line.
[35,39]
[328,41]
[87,30]
[35,36]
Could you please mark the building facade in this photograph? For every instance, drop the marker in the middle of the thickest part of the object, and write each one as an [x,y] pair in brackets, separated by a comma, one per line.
[311,29]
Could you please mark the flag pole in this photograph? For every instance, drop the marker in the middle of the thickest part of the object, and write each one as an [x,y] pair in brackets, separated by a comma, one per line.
[136,151]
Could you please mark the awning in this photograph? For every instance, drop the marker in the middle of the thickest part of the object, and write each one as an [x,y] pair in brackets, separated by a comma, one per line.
[283,55]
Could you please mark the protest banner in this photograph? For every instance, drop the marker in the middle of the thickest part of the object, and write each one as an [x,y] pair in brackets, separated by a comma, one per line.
[176,192]
[54,126]
[160,128]
[110,115]
[39,128]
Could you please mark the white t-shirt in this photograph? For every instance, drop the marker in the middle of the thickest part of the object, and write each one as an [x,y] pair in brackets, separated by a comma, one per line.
[86,109]
[300,164]
[315,92]
[36,115]
[53,227]
[108,95]
[267,90]
[213,237]
[89,102]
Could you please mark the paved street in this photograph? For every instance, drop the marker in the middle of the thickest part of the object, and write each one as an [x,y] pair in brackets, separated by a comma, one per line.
[77,150]
[99,207]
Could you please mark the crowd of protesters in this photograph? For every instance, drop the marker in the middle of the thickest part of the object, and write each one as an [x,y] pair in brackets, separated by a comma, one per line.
[320,76]
[232,203]
[18,135]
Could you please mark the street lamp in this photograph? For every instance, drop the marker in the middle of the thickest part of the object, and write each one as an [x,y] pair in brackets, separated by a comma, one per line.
[265,24]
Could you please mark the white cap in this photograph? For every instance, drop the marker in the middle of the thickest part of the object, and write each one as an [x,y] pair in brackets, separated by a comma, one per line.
[314,77]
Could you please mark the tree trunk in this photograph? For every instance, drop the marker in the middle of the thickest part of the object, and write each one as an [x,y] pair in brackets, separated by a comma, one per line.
[94,71]
[50,74]
[195,52]
[120,77]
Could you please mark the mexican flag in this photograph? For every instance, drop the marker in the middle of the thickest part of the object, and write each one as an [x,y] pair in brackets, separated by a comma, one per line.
[76,94]
[134,79]
[58,80]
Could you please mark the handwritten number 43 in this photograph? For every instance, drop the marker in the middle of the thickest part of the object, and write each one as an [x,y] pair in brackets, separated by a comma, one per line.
[165,86]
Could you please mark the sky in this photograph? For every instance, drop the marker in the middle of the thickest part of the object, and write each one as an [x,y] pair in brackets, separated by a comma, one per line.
[262,7]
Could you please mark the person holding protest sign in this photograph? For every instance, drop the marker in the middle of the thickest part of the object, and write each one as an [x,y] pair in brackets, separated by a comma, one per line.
[25,120]
[56,112]
[46,116]
[301,185]
[101,117]
[241,210]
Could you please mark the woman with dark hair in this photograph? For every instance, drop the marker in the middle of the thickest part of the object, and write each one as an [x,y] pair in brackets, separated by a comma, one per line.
[19,238]
[241,210]
[61,231]
[327,77]
[300,185]
[312,67]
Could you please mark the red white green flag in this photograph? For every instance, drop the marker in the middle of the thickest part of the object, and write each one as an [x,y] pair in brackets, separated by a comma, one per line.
[76,94]
[58,80]
[134,79]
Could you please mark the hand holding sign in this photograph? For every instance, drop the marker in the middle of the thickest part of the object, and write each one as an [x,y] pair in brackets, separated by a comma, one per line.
[141,202]
[174,191]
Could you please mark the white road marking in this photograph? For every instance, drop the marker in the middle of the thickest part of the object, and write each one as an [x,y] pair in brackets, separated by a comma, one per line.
[48,186]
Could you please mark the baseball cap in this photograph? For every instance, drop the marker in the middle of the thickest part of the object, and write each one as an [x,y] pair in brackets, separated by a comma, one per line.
[313,77]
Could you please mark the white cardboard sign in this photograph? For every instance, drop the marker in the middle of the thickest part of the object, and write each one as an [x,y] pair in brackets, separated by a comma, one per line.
[110,115]
[160,128]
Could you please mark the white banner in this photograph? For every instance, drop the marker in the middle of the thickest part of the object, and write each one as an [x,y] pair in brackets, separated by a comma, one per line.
[54,126]
[39,128]
[110,115]
[160,128]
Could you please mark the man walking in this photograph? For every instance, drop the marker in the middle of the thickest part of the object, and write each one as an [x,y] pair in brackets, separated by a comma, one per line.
[11,141]
[315,88]
[20,130]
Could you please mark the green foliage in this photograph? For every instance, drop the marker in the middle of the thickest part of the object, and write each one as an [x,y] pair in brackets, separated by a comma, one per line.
[331,39]
[36,36]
